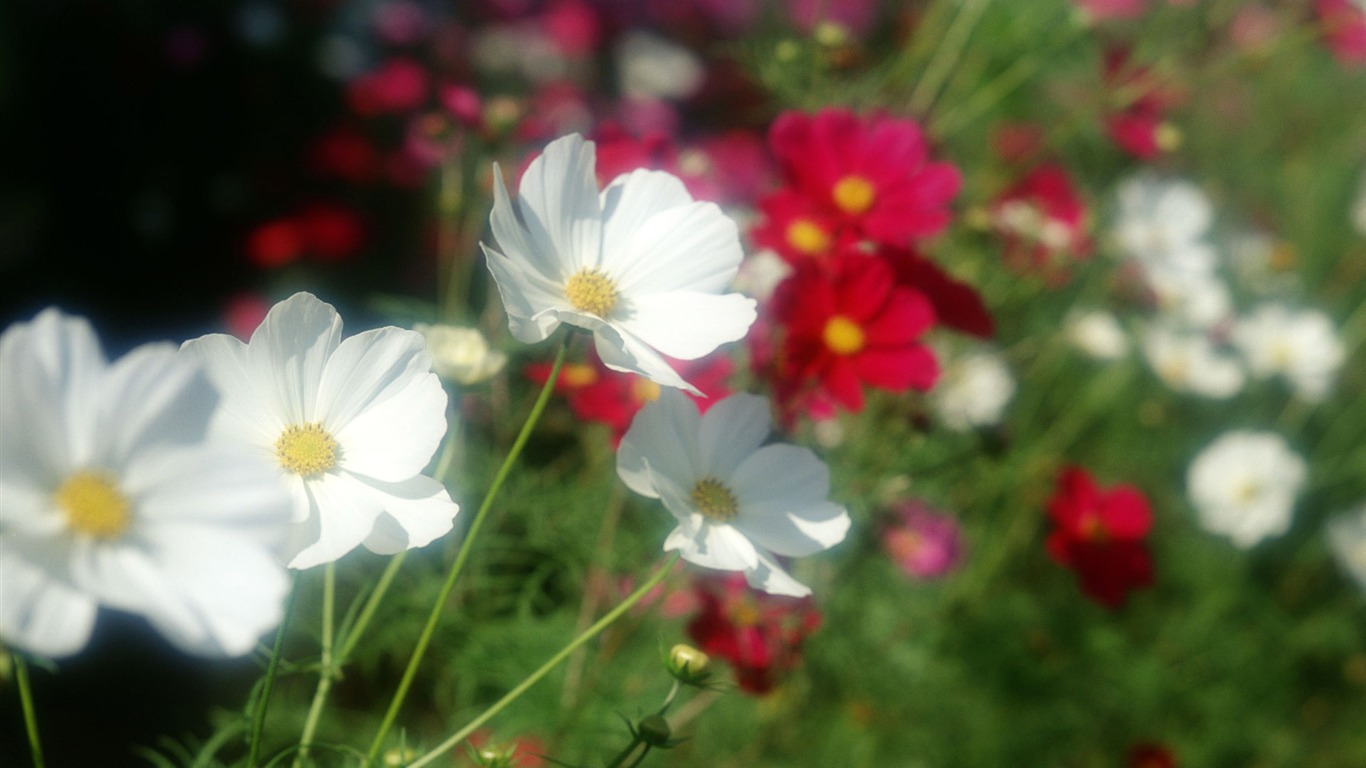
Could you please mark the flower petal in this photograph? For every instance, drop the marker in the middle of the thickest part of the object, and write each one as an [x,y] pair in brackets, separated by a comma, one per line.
[769,576]
[620,350]
[289,352]
[694,247]
[730,431]
[558,198]
[345,510]
[686,324]
[41,614]
[417,512]
[662,439]
[244,414]
[528,297]
[782,490]
[152,395]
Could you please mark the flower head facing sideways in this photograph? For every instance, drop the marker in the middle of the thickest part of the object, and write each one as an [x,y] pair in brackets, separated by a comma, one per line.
[350,424]
[739,503]
[640,264]
[111,495]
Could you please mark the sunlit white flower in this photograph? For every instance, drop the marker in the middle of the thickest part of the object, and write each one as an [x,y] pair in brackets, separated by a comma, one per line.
[461,355]
[110,495]
[1098,334]
[738,502]
[973,391]
[350,424]
[652,67]
[1193,299]
[1301,345]
[1162,224]
[641,265]
[1243,485]
[1189,362]
[1347,539]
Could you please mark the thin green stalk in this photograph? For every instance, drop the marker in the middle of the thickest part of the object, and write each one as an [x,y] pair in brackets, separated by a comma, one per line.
[949,52]
[328,671]
[545,668]
[465,548]
[30,716]
[258,721]
[367,613]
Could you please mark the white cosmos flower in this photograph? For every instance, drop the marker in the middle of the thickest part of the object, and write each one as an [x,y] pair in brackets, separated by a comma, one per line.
[1189,362]
[1162,224]
[350,423]
[1301,345]
[461,355]
[1347,538]
[738,502]
[1193,299]
[974,391]
[1097,333]
[111,496]
[641,265]
[1243,485]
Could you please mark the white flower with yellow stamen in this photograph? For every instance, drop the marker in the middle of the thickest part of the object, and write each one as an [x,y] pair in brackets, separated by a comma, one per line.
[738,502]
[350,423]
[641,265]
[1244,484]
[1301,345]
[110,495]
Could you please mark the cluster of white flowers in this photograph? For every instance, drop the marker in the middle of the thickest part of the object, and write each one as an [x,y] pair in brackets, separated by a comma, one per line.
[176,484]
[1163,229]
[1244,484]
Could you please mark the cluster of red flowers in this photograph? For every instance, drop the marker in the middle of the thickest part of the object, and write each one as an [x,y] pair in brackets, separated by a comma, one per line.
[857,194]
[759,634]
[1100,534]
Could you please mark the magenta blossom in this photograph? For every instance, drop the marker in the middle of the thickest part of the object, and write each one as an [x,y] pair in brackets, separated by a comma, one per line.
[924,542]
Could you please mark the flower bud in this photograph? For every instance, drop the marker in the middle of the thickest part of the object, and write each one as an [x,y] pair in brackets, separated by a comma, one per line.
[654,730]
[688,664]
[399,756]
[461,355]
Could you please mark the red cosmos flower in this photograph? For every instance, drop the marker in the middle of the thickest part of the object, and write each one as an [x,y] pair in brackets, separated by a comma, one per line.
[599,394]
[761,635]
[1043,222]
[1139,126]
[1099,535]
[847,326]
[399,85]
[871,175]
[326,231]
[1344,27]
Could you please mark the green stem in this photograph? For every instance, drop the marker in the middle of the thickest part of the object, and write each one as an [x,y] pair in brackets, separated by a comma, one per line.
[258,721]
[328,671]
[465,548]
[30,716]
[371,605]
[947,55]
[545,668]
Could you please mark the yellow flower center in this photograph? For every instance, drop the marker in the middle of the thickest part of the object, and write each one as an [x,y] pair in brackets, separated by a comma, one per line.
[853,194]
[93,504]
[575,375]
[644,390]
[807,236]
[306,449]
[589,290]
[843,336]
[714,500]
[1167,137]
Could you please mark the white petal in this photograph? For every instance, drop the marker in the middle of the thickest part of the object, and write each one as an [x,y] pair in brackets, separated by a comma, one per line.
[513,239]
[694,247]
[620,350]
[771,578]
[663,440]
[686,324]
[152,396]
[782,493]
[558,198]
[346,510]
[417,512]
[627,203]
[39,613]
[212,486]
[729,432]
[289,352]
[715,546]
[395,439]
[528,298]
[244,414]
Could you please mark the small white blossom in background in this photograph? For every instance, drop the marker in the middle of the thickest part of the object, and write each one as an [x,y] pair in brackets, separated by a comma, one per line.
[1188,361]
[973,391]
[1162,225]
[1097,333]
[1244,484]
[641,265]
[739,503]
[760,274]
[1347,539]
[653,67]
[461,355]
[350,423]
[1301,345]
[1195,300]
[111,495]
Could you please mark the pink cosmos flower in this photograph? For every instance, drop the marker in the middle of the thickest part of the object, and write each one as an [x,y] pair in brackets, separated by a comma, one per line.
[924,542]
[872,175]
[1344,28]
